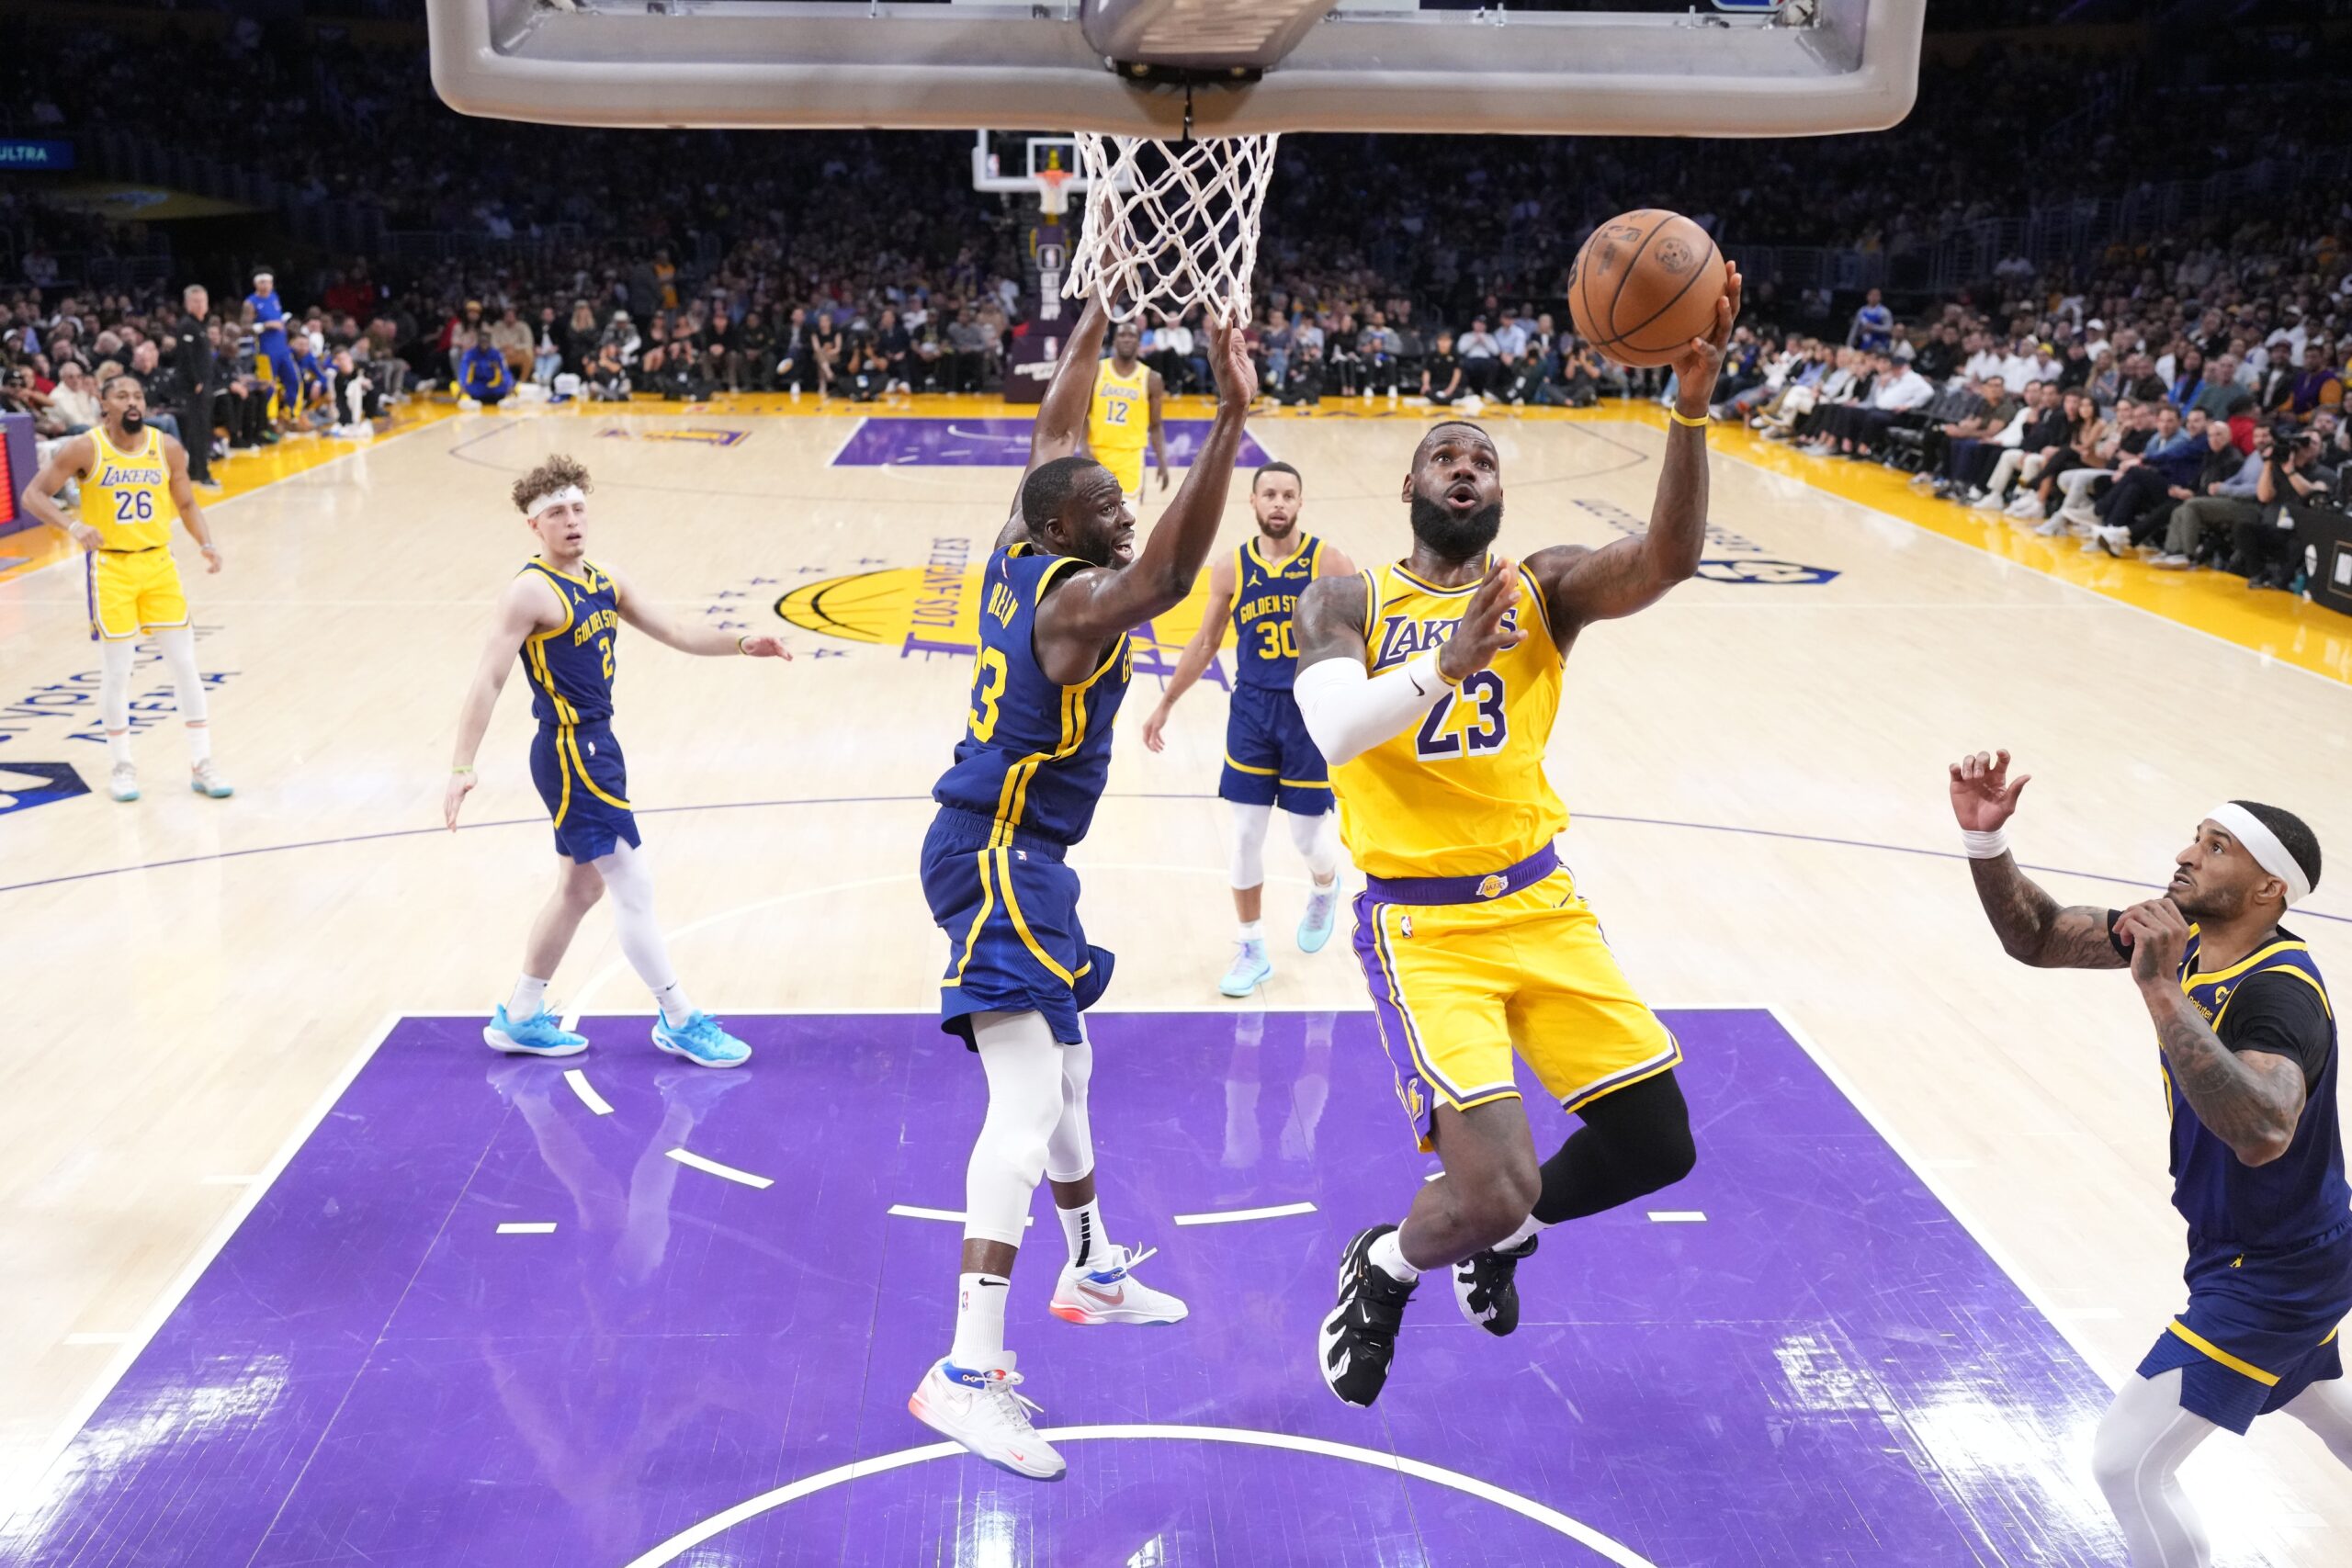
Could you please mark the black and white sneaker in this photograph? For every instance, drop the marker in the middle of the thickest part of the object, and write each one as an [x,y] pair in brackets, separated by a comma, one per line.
[1487,1284]
[1359,1336]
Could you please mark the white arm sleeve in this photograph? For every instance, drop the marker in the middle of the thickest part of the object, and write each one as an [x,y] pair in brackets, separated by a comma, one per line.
[1349,712]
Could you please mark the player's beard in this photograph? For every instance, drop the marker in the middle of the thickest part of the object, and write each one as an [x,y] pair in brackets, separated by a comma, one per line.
[133,422]
[1455,537]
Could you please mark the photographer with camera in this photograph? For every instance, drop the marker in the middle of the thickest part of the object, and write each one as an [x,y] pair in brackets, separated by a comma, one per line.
[2292,477]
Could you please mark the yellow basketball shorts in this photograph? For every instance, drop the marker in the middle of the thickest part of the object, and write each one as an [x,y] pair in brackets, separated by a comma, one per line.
[132,592]
[1126,466]
[1516,962]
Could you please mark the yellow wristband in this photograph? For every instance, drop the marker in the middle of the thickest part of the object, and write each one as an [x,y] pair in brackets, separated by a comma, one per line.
[1679,417]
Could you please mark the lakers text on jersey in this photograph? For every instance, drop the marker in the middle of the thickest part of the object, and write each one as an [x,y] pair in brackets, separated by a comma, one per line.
[1474,940]
[1269,757]
[2270,1246]
[129,581]
[1022,790]
[1119,422]
[576,761]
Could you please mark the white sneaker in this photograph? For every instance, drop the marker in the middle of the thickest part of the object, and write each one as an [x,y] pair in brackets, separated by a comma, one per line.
[122,782]
[2052,528]
[1111,1294]
[976,1406]
[1989,502]
[2170,562]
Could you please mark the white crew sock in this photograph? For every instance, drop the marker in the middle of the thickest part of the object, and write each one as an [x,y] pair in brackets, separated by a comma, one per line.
[1251,930]
[118,747]
[980,1320]
[1527,1229]
[530,993]
[1389,1258]
[676,1008]
[1082,1227]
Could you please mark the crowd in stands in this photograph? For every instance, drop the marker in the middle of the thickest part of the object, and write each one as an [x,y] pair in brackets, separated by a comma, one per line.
[2082,396]
[2191,411]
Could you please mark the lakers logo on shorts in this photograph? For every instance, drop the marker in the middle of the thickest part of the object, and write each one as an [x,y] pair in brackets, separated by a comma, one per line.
[1491,887]
[1409,1091]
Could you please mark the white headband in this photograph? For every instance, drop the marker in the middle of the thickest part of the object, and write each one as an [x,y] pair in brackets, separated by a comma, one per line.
[2264,846]
[553,498]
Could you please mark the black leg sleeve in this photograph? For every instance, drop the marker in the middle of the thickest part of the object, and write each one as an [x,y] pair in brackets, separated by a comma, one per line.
[1632,1143]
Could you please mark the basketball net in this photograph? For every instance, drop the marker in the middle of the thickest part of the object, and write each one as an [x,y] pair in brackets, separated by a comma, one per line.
[1053,191]
[1170,226]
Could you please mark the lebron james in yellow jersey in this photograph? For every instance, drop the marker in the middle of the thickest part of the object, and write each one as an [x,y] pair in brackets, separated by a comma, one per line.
[1430,685]
[134,487]
[1124,414]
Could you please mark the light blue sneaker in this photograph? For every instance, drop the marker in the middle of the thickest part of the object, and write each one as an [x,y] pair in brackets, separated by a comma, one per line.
[1315,926]
[537,1035]
[206,780]
[700,1040]
[1249,971]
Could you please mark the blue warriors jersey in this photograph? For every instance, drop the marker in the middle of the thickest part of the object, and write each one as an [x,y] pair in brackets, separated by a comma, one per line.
[570,666]
[1265,599]
[2301,1194]
[1035,752]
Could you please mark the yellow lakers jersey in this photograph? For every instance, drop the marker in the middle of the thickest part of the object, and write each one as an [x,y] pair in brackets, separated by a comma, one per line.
[128,497]
[1121,417]
[1462,792]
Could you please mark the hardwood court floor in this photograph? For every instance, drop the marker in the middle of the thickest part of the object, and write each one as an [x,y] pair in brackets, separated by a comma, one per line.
[1757,767]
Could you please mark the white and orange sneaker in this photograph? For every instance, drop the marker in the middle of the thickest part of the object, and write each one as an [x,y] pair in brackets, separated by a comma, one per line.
[976,1406]
[1111,1294]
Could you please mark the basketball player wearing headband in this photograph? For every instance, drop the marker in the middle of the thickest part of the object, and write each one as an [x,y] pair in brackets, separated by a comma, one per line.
[2248,1042]
[1430,685]
[560,617]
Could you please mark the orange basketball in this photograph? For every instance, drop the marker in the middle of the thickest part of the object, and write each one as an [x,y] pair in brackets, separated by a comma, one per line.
[1644,285]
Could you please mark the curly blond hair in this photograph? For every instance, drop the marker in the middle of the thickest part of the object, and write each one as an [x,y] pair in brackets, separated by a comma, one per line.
[557,473]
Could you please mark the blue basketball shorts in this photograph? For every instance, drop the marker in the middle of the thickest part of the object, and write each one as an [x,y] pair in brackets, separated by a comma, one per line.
[1009,909]
[584,780]
[2260,1328]
[1270,758]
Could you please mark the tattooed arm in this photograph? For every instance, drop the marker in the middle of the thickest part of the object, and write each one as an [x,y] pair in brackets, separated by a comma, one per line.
[2032,928]
[2250,1099]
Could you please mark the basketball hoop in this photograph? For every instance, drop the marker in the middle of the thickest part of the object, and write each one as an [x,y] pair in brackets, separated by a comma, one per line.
[1171,225]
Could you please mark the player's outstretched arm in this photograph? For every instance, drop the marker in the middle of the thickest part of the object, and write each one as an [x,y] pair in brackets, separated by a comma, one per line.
[1060,427]
[1585,585]
[2032,925]
[72,457]
[2250,1098]
[1101,602]
[709,642]
[1198,654]
[192,516]
[526,604]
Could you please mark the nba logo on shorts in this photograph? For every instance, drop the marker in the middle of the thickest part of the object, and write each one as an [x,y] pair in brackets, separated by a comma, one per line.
[1491,885]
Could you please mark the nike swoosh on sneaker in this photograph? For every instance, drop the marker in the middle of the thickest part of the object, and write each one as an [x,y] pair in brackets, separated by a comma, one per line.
[1108,1298]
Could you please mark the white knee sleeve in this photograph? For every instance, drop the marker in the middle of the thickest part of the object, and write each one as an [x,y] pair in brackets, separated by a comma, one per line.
[2326,1409]
[2141,1442]
[1249,824]
[1070,1148]
[1318,838]
[178,645]
[115,659]
[628,877]
[1024,1073]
